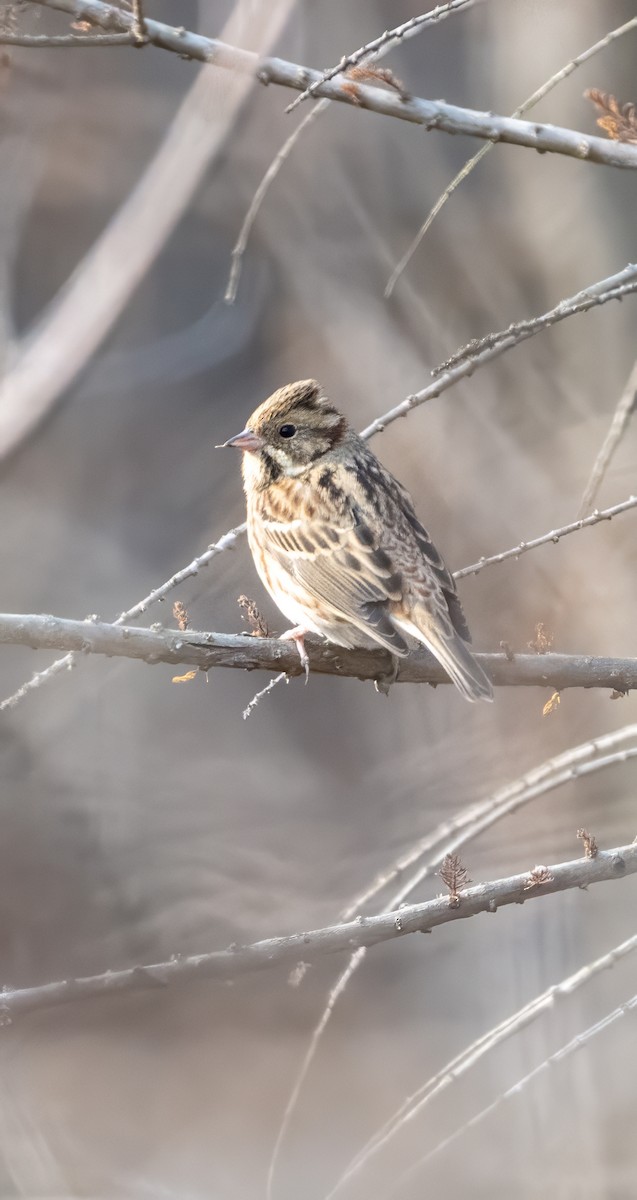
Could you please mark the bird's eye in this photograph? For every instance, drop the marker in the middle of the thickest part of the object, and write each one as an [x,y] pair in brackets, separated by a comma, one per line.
[287,431]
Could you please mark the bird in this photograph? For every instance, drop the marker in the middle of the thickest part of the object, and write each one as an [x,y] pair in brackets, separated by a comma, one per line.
[336,541]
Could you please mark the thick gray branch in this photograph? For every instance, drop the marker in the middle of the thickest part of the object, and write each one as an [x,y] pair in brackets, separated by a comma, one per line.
[433,114]
[239,651]
[334,939]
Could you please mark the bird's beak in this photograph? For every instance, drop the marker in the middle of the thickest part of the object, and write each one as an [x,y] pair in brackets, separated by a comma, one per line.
[246,440]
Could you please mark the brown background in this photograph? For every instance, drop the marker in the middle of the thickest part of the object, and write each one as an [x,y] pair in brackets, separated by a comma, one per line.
[142,819]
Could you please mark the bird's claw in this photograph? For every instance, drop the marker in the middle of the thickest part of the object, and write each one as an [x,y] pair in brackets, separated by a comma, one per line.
[383,683]
[297,635]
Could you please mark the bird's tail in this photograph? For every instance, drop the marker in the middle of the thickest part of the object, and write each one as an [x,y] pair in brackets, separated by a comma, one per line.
[455,656]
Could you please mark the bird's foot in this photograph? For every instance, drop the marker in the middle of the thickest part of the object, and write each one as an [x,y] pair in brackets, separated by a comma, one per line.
[384,682]
[297,635]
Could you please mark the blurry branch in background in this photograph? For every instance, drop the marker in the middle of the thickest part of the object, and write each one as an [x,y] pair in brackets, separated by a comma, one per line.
[238,960]
[618,427]
[380,46]
[453,1070]
[240,652]
[227,542]
[239,248]
[42,41]
[483,350]
[612,288]
[587,758]
[554,536]
[52,353]
[576,1043]
[373,51]
[432,114]
[523,108]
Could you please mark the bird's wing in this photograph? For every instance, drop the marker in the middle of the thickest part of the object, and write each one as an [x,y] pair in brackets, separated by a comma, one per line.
[340,564]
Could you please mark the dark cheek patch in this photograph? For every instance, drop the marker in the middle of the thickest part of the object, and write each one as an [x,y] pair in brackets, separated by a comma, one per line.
[272,468]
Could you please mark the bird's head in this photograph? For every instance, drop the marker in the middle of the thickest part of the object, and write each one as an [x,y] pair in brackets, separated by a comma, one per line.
[288,432]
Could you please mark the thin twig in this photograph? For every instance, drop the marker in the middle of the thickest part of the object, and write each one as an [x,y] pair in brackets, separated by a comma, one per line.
[605,514]
[623,284]
[608,865]
[408,30]
[237,651]
[281,678]
[69,661]
[474,819]
[448,838]
[468,167]
[238,250]
[565,1051]
[387,40]
[596,293]
[432,114]
[49,356]
[618,427]
[493,345]
[453,1070]
[39,41]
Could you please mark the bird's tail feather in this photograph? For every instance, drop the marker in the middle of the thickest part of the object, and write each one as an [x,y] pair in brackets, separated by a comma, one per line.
[458,661]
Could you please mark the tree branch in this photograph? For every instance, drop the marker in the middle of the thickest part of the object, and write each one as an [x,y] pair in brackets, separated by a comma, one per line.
[432,114]
[244,652]
[334,939]
[554,535]
[614,287]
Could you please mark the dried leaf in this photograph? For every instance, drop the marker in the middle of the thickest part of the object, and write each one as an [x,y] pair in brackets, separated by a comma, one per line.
[455,877]
[369,73]
[180,613]
[81,26]
[254,617]
[591,849]
[537,877]
[184,678]
[542,640]
[619,120]
[551,705]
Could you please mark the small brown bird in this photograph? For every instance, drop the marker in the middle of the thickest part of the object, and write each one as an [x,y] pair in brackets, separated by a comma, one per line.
[337,542]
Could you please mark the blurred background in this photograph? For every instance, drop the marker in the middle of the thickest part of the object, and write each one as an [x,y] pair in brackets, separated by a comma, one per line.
[142,819]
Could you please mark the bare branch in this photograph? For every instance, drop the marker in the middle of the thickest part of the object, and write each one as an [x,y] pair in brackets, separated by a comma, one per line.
[334,939]
[474,819]
[207,650]
[484,350]
[387,40]
[565,1051]
[461,1063]
[582,760]
[50,355]
[39,41]
[523,108]
[432,114]
[384,44]
[238,250]
[596,293]
[618,427]
[227,542]
[554,535]
[613,288]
